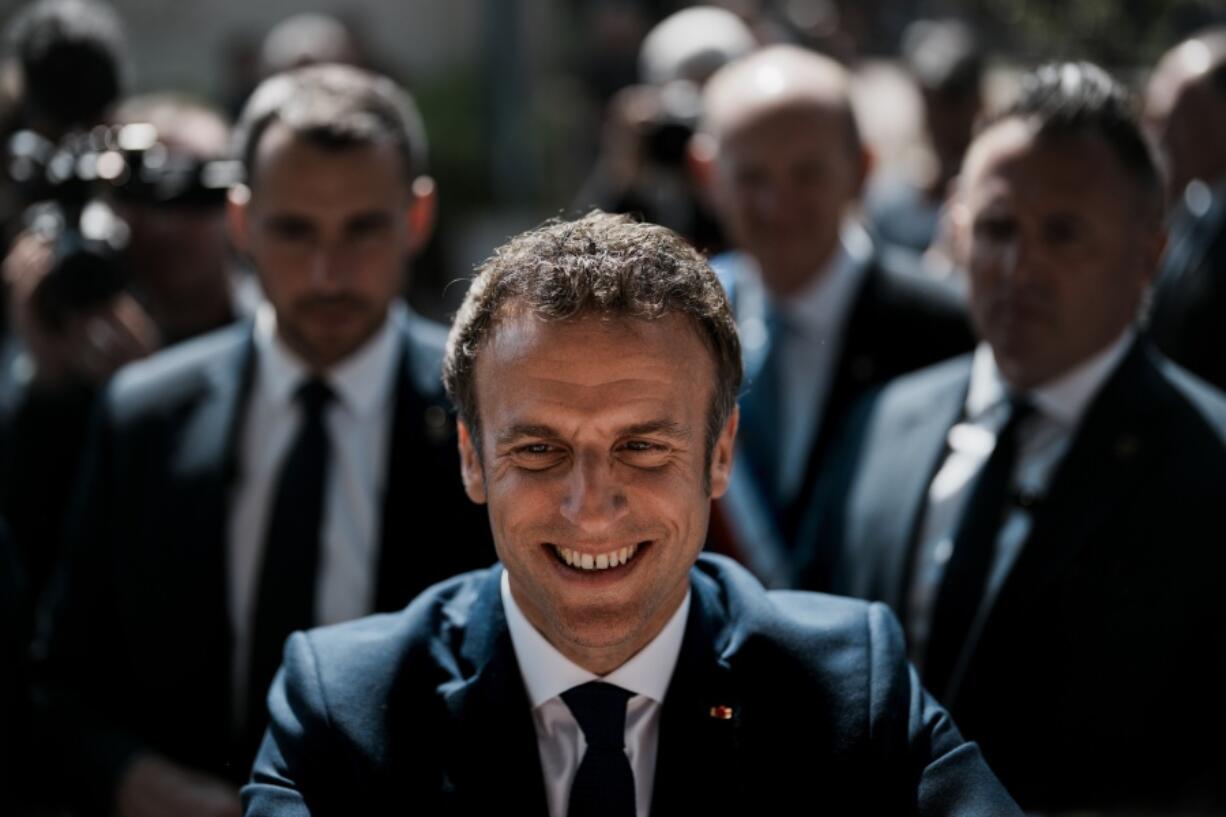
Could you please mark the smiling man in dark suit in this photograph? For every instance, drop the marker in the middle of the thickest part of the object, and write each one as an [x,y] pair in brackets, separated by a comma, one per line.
[822,317]
[603,667]
[265,478]
[1047,516]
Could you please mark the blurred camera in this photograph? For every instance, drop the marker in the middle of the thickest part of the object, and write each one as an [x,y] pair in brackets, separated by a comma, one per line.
[69,187]
[667,133]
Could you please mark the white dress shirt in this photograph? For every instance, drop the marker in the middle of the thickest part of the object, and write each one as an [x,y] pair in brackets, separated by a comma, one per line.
[816,318]
[1043,439]
[360,416]
[547,674]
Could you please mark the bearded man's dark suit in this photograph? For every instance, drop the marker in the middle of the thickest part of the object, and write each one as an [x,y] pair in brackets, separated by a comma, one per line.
[425,712]
[1101,660]
[139,654]
[899,322]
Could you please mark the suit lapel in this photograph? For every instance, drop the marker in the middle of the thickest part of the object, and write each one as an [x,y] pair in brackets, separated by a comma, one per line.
[903,457]
[1098,475]
[491,762]
[698,757]
[1102,470]
[205,468]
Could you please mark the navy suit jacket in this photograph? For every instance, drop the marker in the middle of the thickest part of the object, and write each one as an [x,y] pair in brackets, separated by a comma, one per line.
[139,652]
[425,712]
[899,322]
[1102,658]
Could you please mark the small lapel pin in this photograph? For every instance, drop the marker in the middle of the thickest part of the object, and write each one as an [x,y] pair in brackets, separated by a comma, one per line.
[721,713]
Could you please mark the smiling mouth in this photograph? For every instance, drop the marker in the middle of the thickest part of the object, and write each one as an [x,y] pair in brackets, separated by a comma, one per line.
[594,562]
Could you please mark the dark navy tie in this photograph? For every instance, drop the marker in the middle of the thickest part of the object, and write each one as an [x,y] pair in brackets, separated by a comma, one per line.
[974,547]
[604,783]
[286,593]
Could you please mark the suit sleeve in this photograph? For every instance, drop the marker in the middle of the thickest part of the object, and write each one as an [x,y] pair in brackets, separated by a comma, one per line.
[294,751]
[951,777]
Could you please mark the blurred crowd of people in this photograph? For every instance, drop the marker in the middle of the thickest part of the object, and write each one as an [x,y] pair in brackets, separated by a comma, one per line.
[984,387]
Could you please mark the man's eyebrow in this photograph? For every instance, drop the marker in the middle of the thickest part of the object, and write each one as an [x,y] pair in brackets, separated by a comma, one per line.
[667,428]
[521,430]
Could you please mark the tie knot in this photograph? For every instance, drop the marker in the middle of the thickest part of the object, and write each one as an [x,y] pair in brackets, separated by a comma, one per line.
[314,395]
[600,709]
[1021,407]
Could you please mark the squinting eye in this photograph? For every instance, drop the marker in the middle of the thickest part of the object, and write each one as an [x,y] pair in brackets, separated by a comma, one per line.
[536,449]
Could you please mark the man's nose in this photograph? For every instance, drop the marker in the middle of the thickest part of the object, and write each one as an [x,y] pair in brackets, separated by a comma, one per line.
[1019,261]
[327,267]
[771,202]
[595,498]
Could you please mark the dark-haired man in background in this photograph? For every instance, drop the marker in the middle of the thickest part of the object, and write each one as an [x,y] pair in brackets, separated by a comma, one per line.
[267,477]
[1046,516]
[599,669]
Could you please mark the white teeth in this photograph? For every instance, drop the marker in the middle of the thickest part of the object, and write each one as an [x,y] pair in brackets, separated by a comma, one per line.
[600,561]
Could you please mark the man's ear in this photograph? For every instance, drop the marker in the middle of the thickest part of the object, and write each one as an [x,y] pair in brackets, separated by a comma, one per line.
[1154,247]
[721,457]
[470,465]
[421,213]
[238,199]
[955,226]
[700,155]
[865,163]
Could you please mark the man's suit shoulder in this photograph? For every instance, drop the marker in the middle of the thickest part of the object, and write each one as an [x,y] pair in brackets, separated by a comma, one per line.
[786,616]
[913,390]
[427,343]
[802,641]
[1205,399]
[909,291]
[177,374]
[374,650]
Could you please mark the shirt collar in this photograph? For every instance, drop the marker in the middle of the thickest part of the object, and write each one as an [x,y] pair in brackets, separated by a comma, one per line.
[548,673]
[362,381]
[1064,398]
[821,308]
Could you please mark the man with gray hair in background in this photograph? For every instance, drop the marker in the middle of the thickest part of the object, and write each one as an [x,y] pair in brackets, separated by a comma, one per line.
[824,318]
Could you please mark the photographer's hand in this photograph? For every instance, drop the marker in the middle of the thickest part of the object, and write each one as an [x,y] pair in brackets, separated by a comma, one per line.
[155,787]
[91,344]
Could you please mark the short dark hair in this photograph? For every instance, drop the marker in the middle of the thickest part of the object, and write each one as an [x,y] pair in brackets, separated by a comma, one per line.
[71,54]
[333,106]
[599,264]
[1079,98]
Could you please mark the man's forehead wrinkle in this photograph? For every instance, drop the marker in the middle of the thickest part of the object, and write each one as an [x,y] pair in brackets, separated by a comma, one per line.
[573,428]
